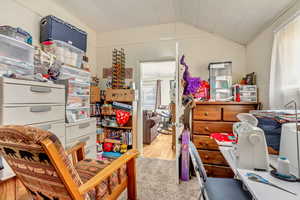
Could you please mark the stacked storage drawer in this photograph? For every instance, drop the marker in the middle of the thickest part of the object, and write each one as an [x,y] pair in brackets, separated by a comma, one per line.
[215,117]
[33,103]
[15,56]
[77,82]
[84,131]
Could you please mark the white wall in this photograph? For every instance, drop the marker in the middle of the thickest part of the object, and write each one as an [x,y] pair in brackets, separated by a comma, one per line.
[259,53]
[158,42]
[28,13]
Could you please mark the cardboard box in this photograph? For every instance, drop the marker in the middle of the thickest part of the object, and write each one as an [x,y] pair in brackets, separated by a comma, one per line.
[122,95]
[95,94]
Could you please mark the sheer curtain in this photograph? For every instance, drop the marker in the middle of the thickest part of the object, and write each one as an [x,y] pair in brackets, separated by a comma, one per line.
[285,66]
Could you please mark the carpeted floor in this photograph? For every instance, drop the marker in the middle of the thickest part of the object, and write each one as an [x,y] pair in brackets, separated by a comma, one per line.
[156,181]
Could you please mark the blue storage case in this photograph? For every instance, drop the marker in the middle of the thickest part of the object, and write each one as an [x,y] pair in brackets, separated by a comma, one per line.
[53,28]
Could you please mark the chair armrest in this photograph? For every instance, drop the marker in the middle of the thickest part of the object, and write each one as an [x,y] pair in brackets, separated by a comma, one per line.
[77,152]
[107,171]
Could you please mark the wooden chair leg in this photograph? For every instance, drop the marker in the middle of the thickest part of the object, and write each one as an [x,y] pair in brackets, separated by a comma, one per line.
[131,185]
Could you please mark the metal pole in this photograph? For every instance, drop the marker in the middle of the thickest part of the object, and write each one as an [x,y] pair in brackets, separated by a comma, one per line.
[297,135]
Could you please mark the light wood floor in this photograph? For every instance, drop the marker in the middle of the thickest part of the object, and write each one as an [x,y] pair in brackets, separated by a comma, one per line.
[160,148]
[13,189]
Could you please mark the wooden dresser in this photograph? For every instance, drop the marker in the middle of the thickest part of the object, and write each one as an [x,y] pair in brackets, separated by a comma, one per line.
[211,117]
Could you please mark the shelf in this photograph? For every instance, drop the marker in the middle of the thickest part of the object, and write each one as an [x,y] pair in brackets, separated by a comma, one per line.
[79,83]
[111,114]
[76,69]
[78,95]
[119,127]
[115,141]
[77,108]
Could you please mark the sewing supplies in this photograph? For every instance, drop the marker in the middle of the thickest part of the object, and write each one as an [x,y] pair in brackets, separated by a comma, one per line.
[251,148]
[283,165]
[260,179]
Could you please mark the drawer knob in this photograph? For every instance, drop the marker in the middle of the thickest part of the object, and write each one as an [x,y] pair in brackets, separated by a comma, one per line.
[206,128]
[206,156]
[206,114]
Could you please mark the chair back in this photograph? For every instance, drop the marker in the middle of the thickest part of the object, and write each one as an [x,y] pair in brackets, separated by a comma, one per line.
[197,162]
[199,169]
[21,147]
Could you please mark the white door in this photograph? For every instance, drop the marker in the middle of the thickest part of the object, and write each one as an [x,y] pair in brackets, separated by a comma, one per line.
[179,107]
[140,108]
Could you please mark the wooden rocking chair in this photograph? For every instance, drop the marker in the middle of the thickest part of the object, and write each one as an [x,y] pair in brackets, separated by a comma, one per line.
[43,166]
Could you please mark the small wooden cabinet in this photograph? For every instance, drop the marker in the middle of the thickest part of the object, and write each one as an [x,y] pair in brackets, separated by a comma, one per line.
[212,117]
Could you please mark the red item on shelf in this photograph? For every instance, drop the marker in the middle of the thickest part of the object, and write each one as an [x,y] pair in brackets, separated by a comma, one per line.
[203,90]
[238,94]
[107,147]
[122,117]
[224,137]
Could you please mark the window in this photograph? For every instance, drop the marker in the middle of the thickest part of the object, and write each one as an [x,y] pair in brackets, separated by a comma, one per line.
[156,74]
[285,66]
[149,95]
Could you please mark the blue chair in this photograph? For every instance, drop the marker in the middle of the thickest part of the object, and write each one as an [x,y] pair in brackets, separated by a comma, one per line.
[216,188]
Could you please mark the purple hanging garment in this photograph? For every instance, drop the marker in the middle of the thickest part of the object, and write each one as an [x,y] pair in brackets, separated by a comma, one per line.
[185,157]
[192,83]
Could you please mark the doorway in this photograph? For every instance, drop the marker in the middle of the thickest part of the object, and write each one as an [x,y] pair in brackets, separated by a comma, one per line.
[157,105]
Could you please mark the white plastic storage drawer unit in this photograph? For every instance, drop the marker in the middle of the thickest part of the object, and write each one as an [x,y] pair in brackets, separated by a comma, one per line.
[15,56]
[30,92]
[57,128]
[34,103]
[31,114]
[83,131]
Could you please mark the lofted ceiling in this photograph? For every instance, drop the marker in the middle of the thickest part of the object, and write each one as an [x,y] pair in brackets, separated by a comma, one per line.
[237,20]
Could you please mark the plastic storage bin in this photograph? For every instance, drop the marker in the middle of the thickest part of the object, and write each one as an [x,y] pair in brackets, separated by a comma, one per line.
[64,52]
[220,80]
[67,72]
[247,93]
[53,28]
[77,114]
[15,56]
[16,33]
[77,82]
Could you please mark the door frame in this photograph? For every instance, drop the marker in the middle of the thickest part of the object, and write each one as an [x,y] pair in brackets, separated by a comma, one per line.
[138,81]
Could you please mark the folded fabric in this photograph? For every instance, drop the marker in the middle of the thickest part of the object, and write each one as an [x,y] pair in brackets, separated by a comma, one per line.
[223,137]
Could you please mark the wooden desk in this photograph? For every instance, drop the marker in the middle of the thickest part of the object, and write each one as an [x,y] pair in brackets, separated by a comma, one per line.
[260,191]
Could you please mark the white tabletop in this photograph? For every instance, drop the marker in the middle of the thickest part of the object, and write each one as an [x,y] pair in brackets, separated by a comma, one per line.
[258,190]
[7,172]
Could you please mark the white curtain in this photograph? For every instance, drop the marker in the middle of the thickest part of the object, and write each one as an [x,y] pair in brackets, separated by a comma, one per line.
[285,66]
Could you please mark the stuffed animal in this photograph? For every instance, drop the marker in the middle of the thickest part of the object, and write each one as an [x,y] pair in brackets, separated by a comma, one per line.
[123,148]
[107,147]
[116,148]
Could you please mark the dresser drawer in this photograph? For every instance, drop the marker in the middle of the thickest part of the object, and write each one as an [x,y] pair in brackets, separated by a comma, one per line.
[212,157]
[207,127]
[218,171]
[31,94]
[205,142]
[33,114]
[230,111]
[207,112]
[76,130]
